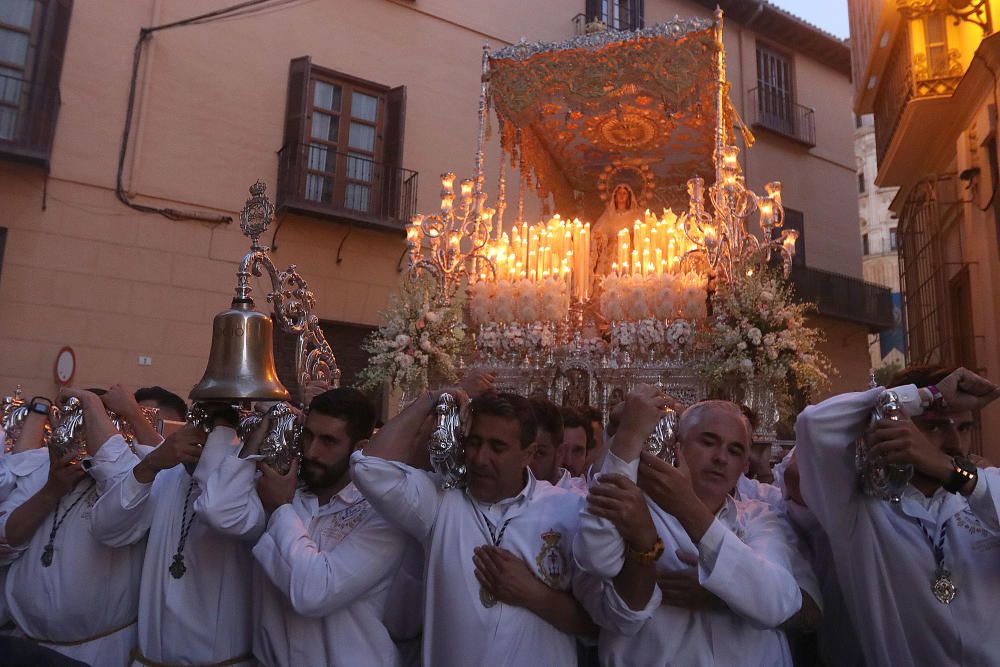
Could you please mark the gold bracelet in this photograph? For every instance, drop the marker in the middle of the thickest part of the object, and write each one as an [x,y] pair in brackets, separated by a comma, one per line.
[647,557]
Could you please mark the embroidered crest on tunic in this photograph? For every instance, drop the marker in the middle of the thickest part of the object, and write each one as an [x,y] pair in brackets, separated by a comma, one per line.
[550,560]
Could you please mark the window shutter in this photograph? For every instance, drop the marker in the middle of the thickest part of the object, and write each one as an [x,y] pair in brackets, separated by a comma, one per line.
[392,181]
[44,100]
[298,102]
[292,155]
[593,10]
[638,14]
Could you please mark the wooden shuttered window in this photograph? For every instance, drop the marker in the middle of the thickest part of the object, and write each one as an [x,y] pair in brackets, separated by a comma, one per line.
[343,146]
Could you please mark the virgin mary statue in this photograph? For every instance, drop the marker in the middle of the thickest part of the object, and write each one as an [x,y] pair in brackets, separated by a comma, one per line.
[621,213]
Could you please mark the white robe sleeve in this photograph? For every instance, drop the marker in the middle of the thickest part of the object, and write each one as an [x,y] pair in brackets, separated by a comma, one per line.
[25,488]
[122,515]
[753,575]
[407,497]
[825,436]
[607,609]
[598,547]
[229,501]
[112,460]
[985,498]
[316,582]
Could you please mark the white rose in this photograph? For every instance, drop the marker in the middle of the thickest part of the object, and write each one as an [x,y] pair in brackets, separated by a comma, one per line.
[402,340]
[746,365]
[741,346]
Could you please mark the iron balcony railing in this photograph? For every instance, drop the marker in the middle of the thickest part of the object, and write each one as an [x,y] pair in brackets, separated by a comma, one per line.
[906,77]
[775,110]
[844,297]
[28,113]
[318,180]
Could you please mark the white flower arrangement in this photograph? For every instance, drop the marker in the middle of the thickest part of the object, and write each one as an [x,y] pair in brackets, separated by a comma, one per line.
[758,334]
[522,301]
[419,341]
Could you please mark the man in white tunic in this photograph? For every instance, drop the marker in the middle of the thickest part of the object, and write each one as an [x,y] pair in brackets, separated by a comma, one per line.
[724,565]
[66,590]
[920,577]
[325,558]
[195,593]
[499,560]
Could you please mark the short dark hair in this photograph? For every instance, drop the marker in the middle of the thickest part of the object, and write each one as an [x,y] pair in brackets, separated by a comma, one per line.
[920,375]
[509,406]
[549,417]
[351,406]
[162,398]
[573,418]
[751,416]
[593,414]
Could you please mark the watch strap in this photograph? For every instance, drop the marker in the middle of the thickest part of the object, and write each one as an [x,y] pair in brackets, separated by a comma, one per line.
[963,472]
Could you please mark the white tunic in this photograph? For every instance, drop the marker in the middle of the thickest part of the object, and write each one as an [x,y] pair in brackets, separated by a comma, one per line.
[59,602]
[322,573]
[575,484]
[14,467]
[205,616]
[744,559]
[883,557]
[541,523]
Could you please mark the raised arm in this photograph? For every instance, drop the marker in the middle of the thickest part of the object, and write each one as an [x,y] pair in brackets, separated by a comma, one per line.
[123,402]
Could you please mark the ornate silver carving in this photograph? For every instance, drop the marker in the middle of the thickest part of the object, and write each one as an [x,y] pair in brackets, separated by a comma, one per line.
[882,480]
[283,442]
[445,444]
[662,442]
[68,435]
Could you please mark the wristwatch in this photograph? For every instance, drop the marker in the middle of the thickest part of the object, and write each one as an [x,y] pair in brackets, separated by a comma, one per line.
[647,557]
[937,398]
[963,471]
[41,405]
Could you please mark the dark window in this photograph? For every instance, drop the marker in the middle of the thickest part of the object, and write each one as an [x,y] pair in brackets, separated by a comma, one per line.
[617,14]
[865,248]
[893,240]
[345,339]
[776,95]
[795,220]
[3,246]
[32,43]
[343,147]
[861,182]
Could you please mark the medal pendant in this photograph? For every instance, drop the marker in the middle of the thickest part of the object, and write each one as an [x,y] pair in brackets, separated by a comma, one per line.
[486,598]
[943,587]
[47,553]
[177,568]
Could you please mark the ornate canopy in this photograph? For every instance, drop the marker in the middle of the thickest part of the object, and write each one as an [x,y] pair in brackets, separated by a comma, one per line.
[636,107]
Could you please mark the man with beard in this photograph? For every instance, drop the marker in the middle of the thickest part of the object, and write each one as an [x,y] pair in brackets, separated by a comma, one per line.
[499,560]
[325,558]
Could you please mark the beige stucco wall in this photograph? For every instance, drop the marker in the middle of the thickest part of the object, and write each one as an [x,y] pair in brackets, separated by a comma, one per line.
[83,270]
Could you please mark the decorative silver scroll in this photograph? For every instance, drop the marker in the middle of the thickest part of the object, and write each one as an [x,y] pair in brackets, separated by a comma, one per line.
[662,442]
[445,444]
[68,435]
[882,480]
[283,441]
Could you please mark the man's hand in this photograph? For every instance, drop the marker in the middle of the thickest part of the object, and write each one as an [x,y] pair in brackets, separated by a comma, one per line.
[507,577]
[475,383]
[901,442]
[182,446]
[680,588]
[312,389]
[120,401]
[670,487]
[275,489]
[621,502]
[964,390]
[88,399]
[63,475]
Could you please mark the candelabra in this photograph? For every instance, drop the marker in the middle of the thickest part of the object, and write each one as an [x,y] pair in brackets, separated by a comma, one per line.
[722,237]
[452,245]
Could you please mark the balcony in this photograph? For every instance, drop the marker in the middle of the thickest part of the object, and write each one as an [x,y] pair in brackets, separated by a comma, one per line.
[28,114]
[844,297]
[775,111]
[347,187]
[908,77]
